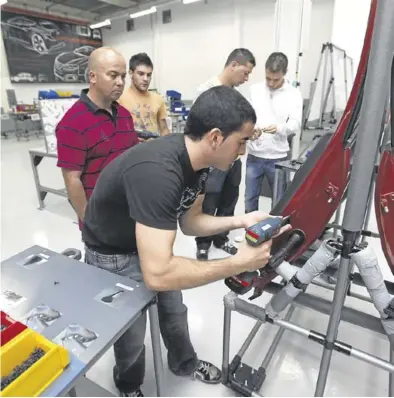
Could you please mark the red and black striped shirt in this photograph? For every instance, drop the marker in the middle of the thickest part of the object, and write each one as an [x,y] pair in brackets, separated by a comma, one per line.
[89,138]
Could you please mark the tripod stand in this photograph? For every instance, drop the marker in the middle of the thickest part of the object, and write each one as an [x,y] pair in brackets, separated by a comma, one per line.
[329,86]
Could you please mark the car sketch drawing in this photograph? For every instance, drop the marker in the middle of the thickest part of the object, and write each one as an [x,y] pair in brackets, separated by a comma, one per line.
[23,77]
[72,66]
[40,36]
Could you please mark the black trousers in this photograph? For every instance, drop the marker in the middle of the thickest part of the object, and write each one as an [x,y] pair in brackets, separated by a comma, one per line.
[220,200]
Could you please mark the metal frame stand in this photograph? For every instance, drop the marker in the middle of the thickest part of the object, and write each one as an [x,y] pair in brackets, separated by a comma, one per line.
[156,347]
[248,381]
[367,145]
[327,53]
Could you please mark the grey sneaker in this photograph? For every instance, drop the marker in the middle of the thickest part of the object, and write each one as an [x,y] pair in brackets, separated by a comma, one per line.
[208,373]
[202,254]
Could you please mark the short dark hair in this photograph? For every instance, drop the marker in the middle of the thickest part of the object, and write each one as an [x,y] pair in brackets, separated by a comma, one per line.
[277,62]
[140,59]
[242,56]
[219,107]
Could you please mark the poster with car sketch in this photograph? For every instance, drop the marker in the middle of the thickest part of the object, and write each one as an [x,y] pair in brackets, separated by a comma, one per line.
[47,49]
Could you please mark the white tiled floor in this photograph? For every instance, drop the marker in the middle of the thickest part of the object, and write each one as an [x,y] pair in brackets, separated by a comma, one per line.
[296,360]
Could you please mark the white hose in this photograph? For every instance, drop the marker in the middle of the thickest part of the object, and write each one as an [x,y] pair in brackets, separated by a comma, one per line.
[317,263]
[372,276]
[286,270]
[310,270]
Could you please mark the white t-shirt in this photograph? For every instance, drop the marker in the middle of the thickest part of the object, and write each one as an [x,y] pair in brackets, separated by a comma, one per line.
[281,107]
[212,82]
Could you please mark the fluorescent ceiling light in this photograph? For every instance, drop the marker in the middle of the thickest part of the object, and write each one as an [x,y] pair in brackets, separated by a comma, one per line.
[2,2]
[101,24]
[142,13]
[190,1]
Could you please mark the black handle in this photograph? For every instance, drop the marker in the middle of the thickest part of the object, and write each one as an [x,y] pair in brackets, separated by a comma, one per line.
[296,238]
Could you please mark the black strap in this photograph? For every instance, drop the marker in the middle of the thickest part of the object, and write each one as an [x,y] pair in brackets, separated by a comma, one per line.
[356,112]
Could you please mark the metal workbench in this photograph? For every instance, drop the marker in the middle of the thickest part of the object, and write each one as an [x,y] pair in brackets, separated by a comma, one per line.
[36,156]
[282,171]
[76,290]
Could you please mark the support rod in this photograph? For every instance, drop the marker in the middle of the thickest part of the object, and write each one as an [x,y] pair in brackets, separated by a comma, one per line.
[276,341]
[226,344]
[337,345]
[249,339]
[323,306]
[391,376]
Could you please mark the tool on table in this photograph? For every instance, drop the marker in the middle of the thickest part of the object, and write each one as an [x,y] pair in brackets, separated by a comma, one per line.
[256,235]
[110,297]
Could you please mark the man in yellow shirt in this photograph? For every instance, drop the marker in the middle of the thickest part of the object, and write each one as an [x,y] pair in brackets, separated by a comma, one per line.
[148,109]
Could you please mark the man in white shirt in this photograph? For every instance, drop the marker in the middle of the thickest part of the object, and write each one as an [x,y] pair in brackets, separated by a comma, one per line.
[278,105]
[222,189]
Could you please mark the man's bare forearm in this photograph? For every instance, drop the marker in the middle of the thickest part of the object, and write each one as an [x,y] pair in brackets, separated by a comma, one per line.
[77,196]
[184,273]
[206,225]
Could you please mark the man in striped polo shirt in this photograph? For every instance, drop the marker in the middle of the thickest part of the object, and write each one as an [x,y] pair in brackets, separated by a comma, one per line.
[96,129]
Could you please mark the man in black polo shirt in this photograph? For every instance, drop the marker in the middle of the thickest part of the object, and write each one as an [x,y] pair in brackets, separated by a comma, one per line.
[131,224]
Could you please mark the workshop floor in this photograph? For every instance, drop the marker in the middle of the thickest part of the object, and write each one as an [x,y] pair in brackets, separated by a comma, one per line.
[296,360]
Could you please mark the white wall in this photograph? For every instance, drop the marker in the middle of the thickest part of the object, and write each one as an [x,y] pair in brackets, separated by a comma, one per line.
[27,92]
[349,26]
[195,45]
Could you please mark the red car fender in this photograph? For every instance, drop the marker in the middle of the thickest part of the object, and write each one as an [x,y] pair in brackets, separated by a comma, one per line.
[316,200]
[313,206]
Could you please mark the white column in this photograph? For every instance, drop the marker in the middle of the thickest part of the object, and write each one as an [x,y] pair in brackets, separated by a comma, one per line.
[157,56]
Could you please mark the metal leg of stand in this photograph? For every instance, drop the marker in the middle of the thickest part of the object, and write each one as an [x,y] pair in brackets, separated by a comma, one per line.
[36,180]
[277,179]
[323,90]
[332,329]
[313,88]
[334,104]
[276,340]
[337,219]
[391,376]
[367,144]
[249,339]
[226,344]
[156,346]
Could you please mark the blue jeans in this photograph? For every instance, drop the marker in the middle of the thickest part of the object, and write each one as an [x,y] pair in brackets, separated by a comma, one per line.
[221,197]
[256,168]
[129,349]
